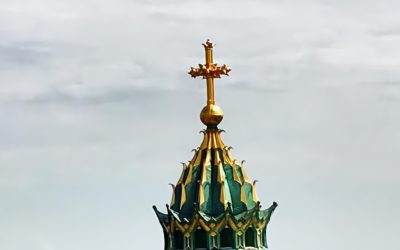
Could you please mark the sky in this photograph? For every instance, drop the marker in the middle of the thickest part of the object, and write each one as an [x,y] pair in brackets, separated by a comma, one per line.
[97,111]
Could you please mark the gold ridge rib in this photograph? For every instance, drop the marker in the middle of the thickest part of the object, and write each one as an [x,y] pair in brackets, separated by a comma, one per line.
[183,196]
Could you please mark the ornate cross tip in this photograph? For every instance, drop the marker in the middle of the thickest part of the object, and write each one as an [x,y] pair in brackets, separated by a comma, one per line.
[209,44]
[209,69]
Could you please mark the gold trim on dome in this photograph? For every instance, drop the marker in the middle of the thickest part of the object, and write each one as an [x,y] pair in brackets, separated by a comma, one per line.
[183,196]
[189,176]
[206,163]
[213,228]
[254,193]
[254,219]
[235,174]
[243,196]
[216,154]
[223,195]
[221,173]
[198,159]
[212,140]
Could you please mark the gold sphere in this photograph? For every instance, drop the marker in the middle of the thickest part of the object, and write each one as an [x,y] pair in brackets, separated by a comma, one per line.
[211,115]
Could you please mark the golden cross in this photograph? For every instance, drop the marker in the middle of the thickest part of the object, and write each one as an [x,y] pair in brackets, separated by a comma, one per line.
[209,71]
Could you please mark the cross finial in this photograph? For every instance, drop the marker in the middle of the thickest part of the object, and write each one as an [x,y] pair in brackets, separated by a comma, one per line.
[211,115]
[209,71]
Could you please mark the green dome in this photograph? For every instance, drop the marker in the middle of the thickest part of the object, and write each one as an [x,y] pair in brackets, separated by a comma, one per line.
[214,204]
[212,180]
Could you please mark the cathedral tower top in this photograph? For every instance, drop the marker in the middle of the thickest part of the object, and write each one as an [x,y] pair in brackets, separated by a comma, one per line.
[214,203]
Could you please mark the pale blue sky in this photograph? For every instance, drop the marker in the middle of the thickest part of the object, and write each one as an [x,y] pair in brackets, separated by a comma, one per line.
[97,111]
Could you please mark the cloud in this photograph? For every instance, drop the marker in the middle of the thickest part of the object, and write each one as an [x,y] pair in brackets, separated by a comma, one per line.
[97,106]
[80,95]
[119,44]
[24,54]
[387,32]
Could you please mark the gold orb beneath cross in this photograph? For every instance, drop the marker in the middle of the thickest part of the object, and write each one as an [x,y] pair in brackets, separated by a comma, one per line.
[211,115]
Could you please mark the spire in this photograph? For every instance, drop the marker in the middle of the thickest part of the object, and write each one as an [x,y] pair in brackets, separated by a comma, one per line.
[211,115]
[214,204]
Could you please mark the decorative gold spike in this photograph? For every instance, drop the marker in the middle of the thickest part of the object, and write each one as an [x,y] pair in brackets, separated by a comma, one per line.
[245,178]
[173,193]
[181,177]
[184,165]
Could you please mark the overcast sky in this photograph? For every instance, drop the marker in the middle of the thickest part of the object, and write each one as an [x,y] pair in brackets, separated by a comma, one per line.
[97,110]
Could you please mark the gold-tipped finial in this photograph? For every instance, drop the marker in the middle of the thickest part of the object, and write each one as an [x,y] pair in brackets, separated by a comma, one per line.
[211,115]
